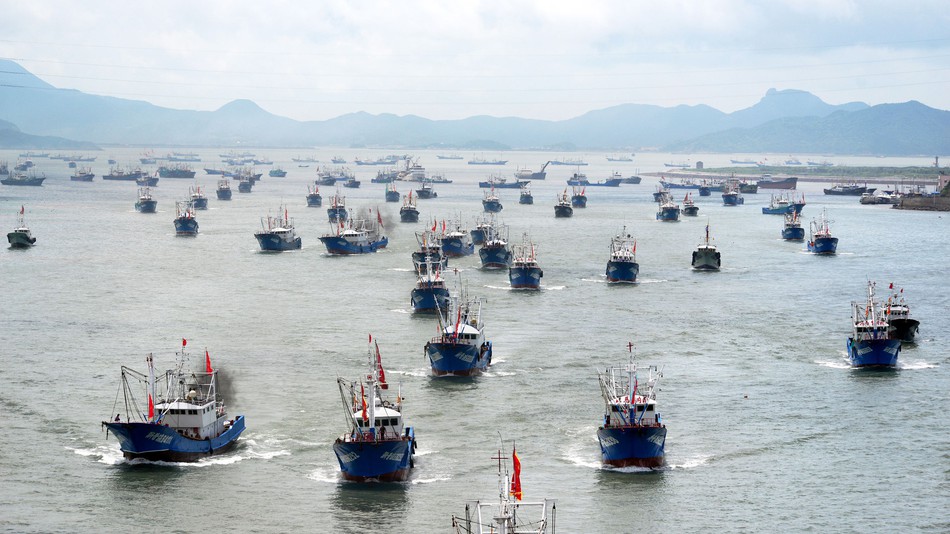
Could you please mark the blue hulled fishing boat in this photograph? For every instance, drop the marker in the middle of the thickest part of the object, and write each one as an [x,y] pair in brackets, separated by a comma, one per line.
[460,349]
[198,198]
[408,213]
[277,234]
[494,252]
[147,181]
[391,194]
[185,222]
[792,229]
[579,197]
[356,236]
[524,272]
[245,184]
[492,202]
[378,445]
[314,198]
[622,265]
[689,207]
[337,210]
[563,208]
[21,236]
[821,241]
[145,202]
[277,172]
[430,294]
[869,344]
[633,434]
[706,257]
[783,204]
[731,195]
[669,211]
[183,420]
[900,325]
[456,242]
[483,225]
[526,196]
[430,249]
[224,189]
[425,191]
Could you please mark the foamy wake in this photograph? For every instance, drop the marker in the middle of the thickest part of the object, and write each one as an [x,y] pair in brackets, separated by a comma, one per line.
[401,310]
[690,463]
[916,365]
[442,478]
[326,473]
[248,449]
[651,281]
[838,364]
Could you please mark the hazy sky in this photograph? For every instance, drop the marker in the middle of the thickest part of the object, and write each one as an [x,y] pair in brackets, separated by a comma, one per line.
[314,60]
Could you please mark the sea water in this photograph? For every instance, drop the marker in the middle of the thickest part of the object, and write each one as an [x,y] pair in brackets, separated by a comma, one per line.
[768,428]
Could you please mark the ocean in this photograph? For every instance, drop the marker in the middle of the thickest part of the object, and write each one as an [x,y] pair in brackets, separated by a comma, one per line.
[769,430]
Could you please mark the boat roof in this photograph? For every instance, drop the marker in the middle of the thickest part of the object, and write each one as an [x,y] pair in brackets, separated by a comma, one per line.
[380,411]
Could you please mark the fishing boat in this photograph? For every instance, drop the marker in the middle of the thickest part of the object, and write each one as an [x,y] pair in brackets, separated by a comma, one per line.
[185,222]
[576,162]
[277,172]
[483,161]
[337,210]
[578,197]
[633,180]
[391,194]
[456,242]
[176,416]
[508,515]
[581,179]
[408,213]
[385,176]
[782,204]
[492,202]
[676,165]
[145,202]
[623,158]
[461,348]
[869,344]
[430,251]
[176,171]
[356,236]
[689,207]
[483,225]
[767,182]
[524,174]
[662,194]
[277,234]
[82,174]
[524,272]
[338,160]
[449,156]
[821,241]
[683,183]
[633,433]
[848,189]
[494,252]
[526,196]
[21,236]
[352,183]
[622,267]
[245,184]
[792,230]
[224,189]
[563,208]
[314,199]
[497,182]
[23,178]
[706,257]
[731,195]
[425,191]
[146,181]
[668,211]
[900,325]
[430,293]
[198,198]
[742,161]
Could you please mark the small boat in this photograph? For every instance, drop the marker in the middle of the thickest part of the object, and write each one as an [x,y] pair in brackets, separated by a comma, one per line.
[185,222]
[23,178]
[24,165]
[337,210]
[662,194]
[461,348]
[563,206]
[743,161]
[391,194]
[352,183]
[526,196]
[449,156]
[683,183]
[277,172]
[314,199]
[581,179]
[900,325]
[198,199]
[245,184]
[622,267]
[767,182]
[186,418]
[425,191]
[524,272]
[821,241]
[706,257]
[483,161]
[869,344]
[633,180]
[492,202]
[569,161]
[689,207]
[378,446]
[224,189]
[792,230]
[793,161]
[21,236]
[508,515]
[497,182]
[305,159]
[782,204]
[130,174]
[176,171]
[850,189]
[524,174]
[337,160]
[731,195]
[705,191]
[676,165]
[356,236]
[82,174]
[494,252]
[668,211]
[430,251]
[430,293]
[456,242]
[483,226]
[578,197]
[146,181]
[385,176]
[145,202]
[408,213]
[277,234]
[633,433]
[623,158]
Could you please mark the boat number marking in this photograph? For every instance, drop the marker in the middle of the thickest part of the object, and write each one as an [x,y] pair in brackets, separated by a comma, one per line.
[158,437]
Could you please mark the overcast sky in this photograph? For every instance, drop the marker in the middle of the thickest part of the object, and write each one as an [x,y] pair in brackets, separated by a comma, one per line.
[451,59]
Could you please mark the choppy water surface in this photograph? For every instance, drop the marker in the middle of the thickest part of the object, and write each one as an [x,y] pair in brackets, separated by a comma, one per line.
[769,430]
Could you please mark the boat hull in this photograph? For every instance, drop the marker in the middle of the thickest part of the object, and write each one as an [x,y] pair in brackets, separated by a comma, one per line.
[392,196]
[456,247]
[155,442]
[579,201]
[492,206]
[793,233]
[691,211]
[622,271]
[706,259]
[526,199]
[200,203]
[785,183]
[224,194]
[383,460]
[561,211]
[428,299]
[340,246]
[20,240]
[409,215]
[458,359]
[903,329]
[732,199]
[791,208]
[274,243]
[336,214]
[314,201]
[186,226]
[823,245]
[495,257]
[146,206]
[668,214]
[632,446]
[525,277]
[873,352]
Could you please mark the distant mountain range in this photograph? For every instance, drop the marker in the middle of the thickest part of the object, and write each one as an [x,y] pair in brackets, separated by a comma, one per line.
[787,121]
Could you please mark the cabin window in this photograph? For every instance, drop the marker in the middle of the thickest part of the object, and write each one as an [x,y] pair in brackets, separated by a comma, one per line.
[615,408]
[650,408]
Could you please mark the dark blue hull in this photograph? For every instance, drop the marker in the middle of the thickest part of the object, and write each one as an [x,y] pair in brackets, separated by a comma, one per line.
[409,215]
[632,446]
[273,243]
[392,196]
[456,248]
[492,206]
[561,211]
[435,256]
[495,257]
[314,201]
[874,352]
[339,245]
[224,194]
[186,226]
[526,199]
[429,299]
[245,186]
[793,233]
[622,271]
[336,214]
[383,460]
[478,236]
[732,199]
[668,214]
[705,191]
[525,277]
[691,211]
[199,203]
[146,206]
[156,442]
[578,201]
[791,208]
[458,359]
[823,245]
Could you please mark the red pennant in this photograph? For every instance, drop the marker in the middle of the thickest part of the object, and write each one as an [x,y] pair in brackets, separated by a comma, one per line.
[516,480]
[382,373]
[208,367]
[151,408]
[183,342]
[363,396]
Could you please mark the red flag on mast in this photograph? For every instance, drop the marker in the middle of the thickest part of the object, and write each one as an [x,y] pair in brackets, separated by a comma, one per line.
[363,396]
[21,210]
[183,342]
[382,373]
[151,408]
[208,367]
[516,480]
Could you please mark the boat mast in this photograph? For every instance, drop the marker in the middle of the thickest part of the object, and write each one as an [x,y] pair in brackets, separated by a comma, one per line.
[151,387]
